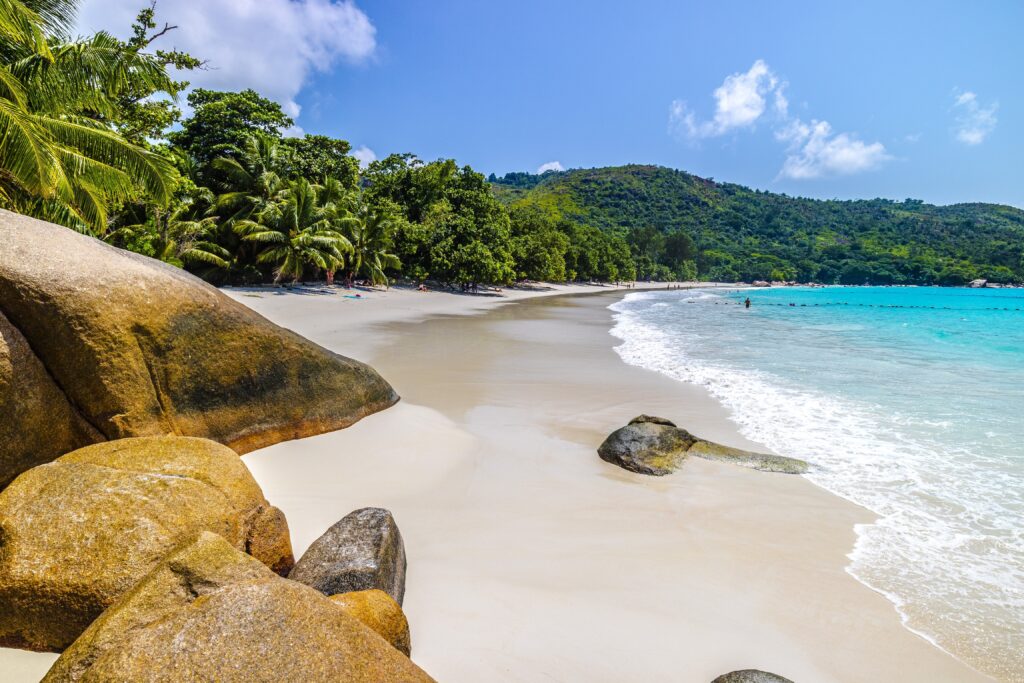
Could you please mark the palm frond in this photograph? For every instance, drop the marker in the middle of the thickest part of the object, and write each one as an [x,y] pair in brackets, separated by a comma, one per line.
[23,26]
[152,171]
[24,154]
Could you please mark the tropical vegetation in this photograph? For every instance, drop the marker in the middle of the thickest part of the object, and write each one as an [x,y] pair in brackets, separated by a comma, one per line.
[679,224]
[92,136]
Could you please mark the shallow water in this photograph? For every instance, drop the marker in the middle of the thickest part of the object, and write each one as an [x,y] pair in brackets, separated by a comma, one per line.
[908,401]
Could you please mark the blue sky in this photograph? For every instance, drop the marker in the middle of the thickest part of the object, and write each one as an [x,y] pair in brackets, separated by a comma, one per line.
[893,99]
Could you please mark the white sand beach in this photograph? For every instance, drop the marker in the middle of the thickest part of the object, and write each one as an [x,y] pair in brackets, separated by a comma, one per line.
[530,559]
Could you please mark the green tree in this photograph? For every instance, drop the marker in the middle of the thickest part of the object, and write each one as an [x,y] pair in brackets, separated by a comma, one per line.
[297,231]
[370,232]
[538,246]
[172,237]
[252,178]
[222,123]
[60,159]
[140,117]
[316,157]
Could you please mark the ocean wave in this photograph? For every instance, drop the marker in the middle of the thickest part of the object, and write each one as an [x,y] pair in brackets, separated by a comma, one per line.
[948,545]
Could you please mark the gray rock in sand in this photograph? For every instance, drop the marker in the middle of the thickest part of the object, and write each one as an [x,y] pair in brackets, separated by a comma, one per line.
[647,446]
[655,446]
[751,676]
[363,550]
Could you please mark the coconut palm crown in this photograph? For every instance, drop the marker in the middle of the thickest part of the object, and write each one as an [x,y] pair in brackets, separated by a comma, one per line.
[60,158]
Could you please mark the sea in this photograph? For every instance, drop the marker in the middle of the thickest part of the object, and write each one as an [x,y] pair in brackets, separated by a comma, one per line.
[908,401]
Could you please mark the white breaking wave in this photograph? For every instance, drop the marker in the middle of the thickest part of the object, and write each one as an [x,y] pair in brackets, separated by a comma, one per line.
[948,545]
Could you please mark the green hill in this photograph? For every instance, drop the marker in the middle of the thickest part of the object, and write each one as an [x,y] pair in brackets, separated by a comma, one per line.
[745,234]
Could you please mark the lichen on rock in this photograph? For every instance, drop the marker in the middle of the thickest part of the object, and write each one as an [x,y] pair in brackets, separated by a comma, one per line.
[647,446]
[379,611]
[141,348]
[656,446]
[38,422]
[77,533]
[208,612]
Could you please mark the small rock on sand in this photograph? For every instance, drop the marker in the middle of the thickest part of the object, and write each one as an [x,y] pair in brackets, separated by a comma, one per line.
[361,551]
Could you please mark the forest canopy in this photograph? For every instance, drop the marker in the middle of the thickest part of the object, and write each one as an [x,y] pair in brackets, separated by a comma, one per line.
[736,233]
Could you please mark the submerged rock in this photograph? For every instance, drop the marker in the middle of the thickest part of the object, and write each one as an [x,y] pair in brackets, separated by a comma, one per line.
[758,461]
[38,423]
[379,611]
[647,446]
[751,676]
[656,446]
[79,532]
[141,348]
[361,551]
[208,612]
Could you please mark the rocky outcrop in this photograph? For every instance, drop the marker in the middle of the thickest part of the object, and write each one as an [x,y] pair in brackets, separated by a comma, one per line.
[379,611]
[656,446]
[38,423]
[208,612]
[77,533]
[647,446]
[361,551]
[140,348]
[751,676]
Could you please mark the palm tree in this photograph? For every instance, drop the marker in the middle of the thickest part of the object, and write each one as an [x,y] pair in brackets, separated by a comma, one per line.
[297,230]
[370,232]
[59,159]
[176,237]
[253,180]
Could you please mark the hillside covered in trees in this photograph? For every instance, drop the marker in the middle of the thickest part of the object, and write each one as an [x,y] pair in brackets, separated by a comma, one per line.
[742,234]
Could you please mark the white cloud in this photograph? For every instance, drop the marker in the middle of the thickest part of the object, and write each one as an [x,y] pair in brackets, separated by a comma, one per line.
[781,103]
[550,166]
[815,151]
[974,122]
[272,46]
[739,103]
[364,155]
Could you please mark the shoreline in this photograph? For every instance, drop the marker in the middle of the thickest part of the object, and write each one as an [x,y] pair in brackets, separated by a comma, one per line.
[531,559]
[402,347]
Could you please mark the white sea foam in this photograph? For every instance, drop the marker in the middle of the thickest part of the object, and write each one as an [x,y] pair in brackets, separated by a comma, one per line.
[948,545]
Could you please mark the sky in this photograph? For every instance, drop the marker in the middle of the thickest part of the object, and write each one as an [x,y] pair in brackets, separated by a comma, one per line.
[831,100]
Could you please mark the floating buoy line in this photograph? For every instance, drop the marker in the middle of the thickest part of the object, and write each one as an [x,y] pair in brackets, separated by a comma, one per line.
[860,305]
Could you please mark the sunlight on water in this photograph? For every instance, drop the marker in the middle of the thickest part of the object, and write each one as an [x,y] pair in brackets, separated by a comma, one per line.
[909,402]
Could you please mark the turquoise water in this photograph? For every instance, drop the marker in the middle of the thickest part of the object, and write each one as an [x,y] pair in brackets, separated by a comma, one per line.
[908,401]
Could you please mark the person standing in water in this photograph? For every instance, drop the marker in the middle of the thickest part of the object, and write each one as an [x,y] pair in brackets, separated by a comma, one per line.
[746,304]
